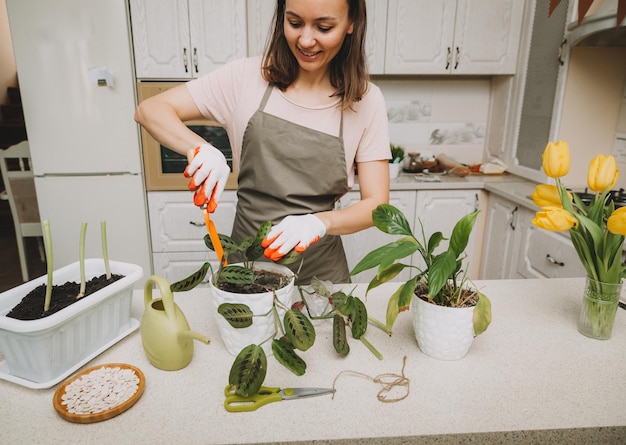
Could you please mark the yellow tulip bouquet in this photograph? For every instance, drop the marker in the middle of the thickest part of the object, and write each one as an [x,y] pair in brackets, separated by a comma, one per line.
[596,229]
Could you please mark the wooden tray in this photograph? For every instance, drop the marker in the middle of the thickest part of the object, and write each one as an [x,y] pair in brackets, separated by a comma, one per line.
[103,415]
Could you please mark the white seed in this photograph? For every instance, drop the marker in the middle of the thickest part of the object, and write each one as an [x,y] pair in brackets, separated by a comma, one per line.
[100,390]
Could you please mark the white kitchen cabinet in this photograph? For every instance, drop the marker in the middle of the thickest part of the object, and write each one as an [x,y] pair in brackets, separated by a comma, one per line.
[177,231]
[439,211]
[261,12]
[376,35]
[453,36]
[545,254]
[515,248]
[505,222]
[183,39]
[359,244]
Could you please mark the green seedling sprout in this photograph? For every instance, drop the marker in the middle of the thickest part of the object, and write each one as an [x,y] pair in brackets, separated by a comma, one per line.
[47,241]
[105,250]
[83,231]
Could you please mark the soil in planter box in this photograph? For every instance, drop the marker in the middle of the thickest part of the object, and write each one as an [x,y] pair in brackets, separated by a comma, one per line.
[264,281]
[63,295]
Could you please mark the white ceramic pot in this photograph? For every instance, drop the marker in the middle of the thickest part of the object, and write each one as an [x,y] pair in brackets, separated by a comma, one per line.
[394,170]
[41,353]
[263,328]
[443,333]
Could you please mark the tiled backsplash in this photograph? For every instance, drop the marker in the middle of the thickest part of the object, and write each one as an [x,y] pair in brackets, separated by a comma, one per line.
[438,116]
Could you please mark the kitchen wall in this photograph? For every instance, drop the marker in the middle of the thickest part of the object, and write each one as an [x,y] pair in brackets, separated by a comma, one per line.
[593,98]
[8,72]
[439,115]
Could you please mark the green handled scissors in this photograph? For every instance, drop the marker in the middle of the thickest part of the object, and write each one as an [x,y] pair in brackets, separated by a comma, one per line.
[265,395]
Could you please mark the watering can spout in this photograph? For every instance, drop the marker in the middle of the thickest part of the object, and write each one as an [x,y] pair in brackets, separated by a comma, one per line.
[196,336]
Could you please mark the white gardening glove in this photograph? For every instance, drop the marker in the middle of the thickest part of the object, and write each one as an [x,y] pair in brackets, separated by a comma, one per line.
[209,172]
[293,231]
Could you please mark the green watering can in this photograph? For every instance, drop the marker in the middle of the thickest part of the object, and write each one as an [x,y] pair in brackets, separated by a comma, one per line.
[165,334]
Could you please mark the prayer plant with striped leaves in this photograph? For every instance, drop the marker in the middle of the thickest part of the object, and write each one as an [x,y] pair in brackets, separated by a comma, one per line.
[294,333]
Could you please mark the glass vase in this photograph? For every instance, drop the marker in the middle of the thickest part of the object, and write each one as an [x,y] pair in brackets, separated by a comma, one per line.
[598,309]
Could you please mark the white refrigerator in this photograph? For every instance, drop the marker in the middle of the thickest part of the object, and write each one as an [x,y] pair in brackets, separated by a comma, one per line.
[76,79]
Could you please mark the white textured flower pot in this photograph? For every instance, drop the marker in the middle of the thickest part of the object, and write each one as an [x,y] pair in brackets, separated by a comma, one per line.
[444,333]
[41,353]
[263,327]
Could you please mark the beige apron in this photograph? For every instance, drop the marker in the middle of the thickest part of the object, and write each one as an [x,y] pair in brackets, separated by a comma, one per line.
[288,169]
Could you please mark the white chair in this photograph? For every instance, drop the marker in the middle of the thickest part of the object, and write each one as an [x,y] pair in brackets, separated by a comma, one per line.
[19,183]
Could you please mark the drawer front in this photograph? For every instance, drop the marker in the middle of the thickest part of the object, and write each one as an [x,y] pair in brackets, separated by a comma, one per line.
[176,266]
[177,225]
[548,255]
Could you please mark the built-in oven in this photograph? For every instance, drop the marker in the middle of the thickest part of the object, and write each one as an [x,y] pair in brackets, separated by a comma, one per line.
[164,167]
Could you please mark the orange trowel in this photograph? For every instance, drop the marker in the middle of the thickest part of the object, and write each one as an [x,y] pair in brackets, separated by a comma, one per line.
[207,206]
[210,225]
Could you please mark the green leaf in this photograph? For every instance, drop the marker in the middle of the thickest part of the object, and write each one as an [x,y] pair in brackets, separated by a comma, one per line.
[392,310]
[340,339]
[228,244]
[385,275]
[255,250]
[358,319]
[461,233]
[286,356]
[347,306]
[248,371]
[237,315]
[440,271]
[299,330]
[406,294]
[236,275]
[482,314]
[391,220]
[319,287]
[291,257]
[433,242]
[192,280]
[338,298]
[387,254]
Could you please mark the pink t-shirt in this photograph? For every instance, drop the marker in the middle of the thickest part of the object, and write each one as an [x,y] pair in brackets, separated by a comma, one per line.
[232,93]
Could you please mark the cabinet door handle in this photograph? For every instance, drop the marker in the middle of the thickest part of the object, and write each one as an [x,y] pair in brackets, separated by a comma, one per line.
[476,202]
[195,59]
[553,261]
[560,52]
[457,58]
[197,224]
[185,59]
[449,58]
[512,220]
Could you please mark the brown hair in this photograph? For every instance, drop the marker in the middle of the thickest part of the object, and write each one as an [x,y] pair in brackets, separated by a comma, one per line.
[348,70]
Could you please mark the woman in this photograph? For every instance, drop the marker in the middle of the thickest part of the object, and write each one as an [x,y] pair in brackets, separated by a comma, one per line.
[300,120]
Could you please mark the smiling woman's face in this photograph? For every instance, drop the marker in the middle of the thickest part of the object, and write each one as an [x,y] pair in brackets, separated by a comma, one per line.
[315,31]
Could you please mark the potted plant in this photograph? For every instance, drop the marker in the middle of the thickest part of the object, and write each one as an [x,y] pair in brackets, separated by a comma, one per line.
[256,324]
[448,311]
[397,156]
[295,333]
[34,356]
[258,284]
[596,228]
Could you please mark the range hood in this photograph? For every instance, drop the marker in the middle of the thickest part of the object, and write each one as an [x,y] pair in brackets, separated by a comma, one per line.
[599,27]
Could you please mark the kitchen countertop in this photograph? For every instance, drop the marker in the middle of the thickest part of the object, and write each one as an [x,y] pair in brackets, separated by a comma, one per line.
[512,187]
[531,377]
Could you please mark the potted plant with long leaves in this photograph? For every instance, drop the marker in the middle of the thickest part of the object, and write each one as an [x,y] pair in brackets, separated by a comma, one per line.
[440,294]
[99,318]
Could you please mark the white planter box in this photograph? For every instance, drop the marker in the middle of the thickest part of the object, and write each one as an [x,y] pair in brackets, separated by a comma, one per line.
[41,353]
